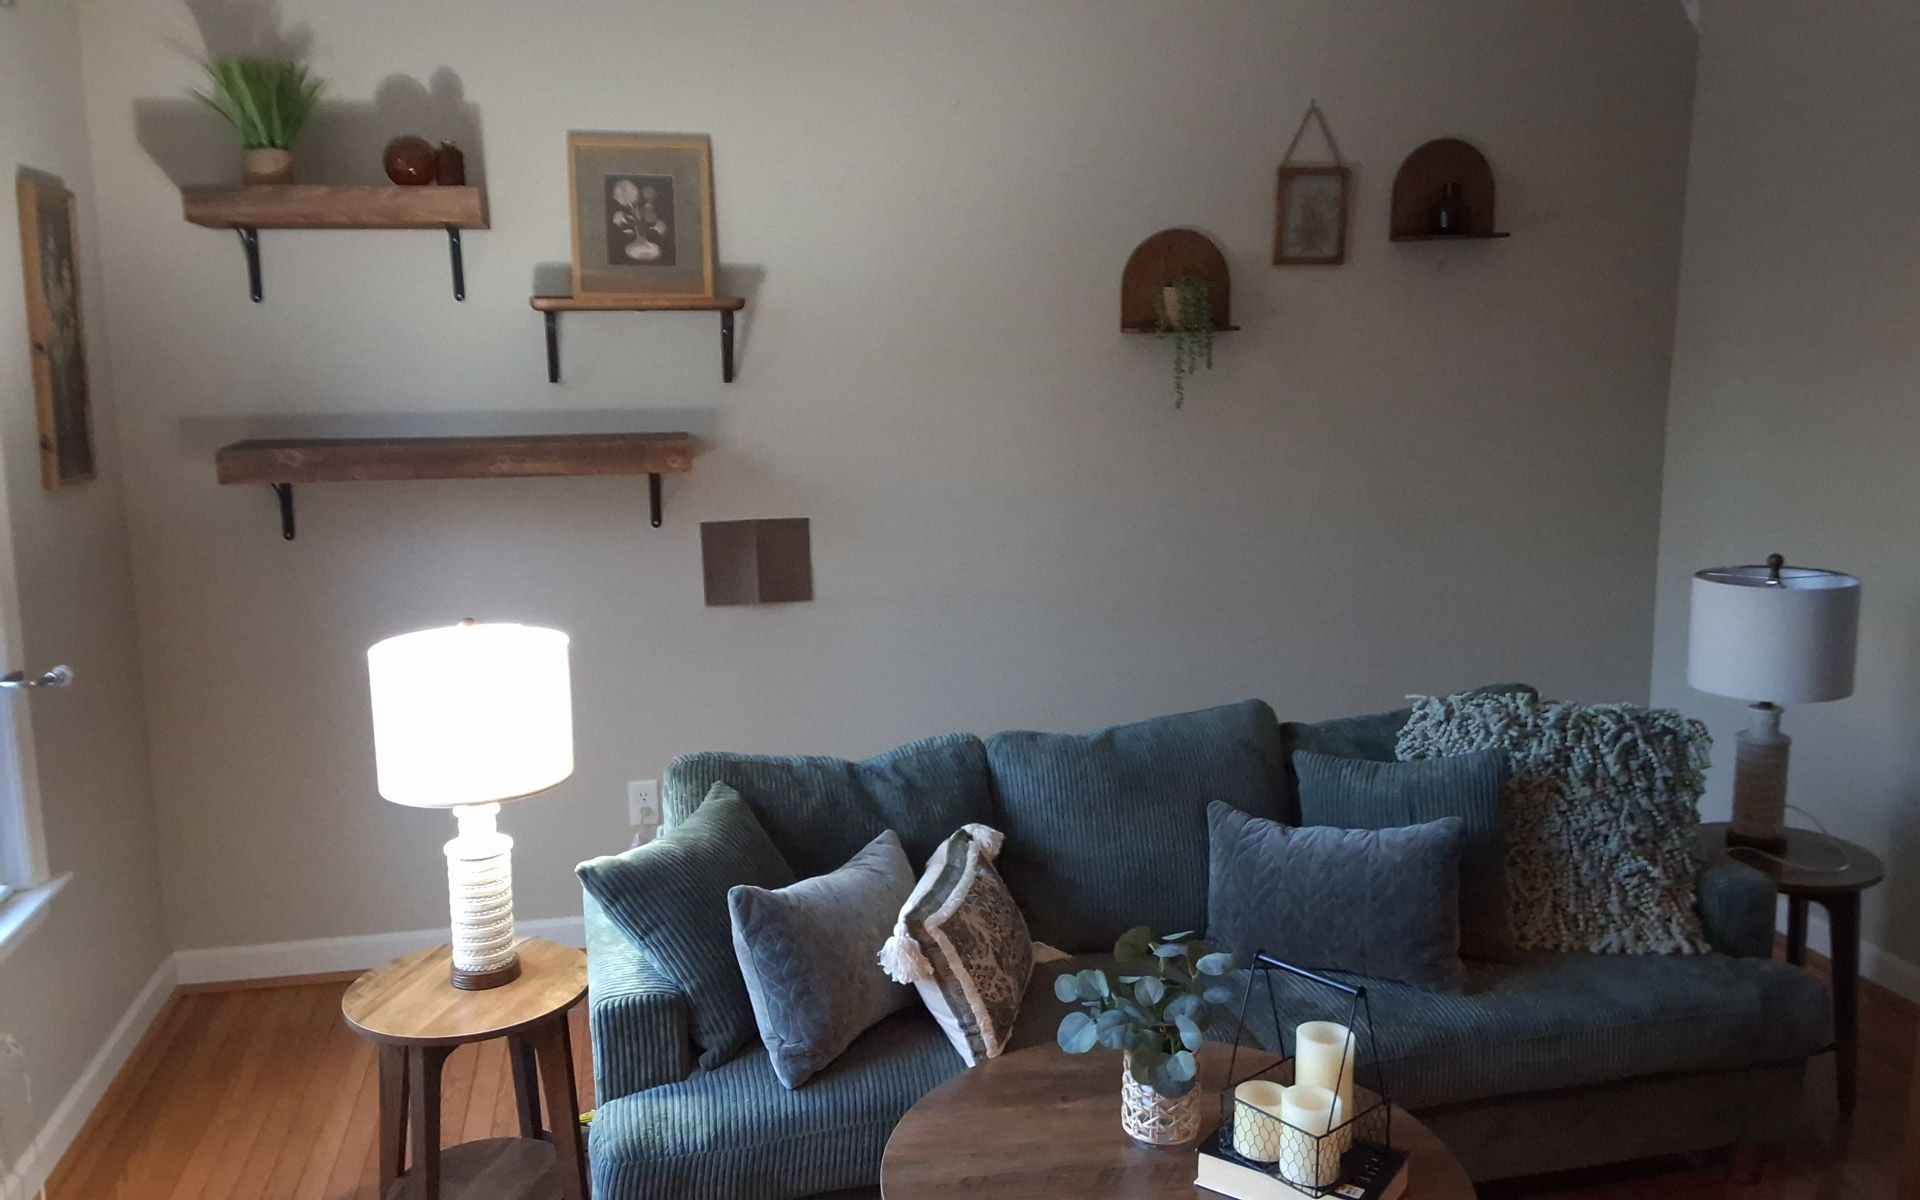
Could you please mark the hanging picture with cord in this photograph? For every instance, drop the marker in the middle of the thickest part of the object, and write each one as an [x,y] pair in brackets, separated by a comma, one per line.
[50,258]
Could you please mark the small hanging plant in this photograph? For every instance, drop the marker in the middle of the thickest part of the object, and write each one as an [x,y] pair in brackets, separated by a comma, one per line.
[1184,309]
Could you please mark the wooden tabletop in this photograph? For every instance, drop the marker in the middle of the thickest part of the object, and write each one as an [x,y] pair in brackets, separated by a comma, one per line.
[411,1001]
[1040,1124]
[1818,864]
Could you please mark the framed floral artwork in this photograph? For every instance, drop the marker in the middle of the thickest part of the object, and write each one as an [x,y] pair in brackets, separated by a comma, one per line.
[50,257]
[642,214]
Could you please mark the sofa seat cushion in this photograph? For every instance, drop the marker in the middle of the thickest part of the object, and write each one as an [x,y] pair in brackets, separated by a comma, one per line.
[821,811]
[1108,830]
[1554,1021]
[736,1131]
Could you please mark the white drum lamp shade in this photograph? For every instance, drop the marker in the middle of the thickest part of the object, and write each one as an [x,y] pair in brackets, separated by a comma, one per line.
[467,718]
[1773,635]
[1790,642]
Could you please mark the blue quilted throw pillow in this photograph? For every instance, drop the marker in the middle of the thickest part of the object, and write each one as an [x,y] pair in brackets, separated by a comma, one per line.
[808,951]
[1378,902]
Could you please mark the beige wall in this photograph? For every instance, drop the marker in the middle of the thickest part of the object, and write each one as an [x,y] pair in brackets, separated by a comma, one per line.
[1434,466]
[1794,425]
[64,988]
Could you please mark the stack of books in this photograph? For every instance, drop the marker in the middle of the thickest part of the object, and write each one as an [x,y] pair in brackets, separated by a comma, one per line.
[1369,1171]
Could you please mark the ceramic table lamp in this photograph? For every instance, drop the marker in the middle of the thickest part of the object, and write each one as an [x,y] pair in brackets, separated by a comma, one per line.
[467,718]
[1772,635]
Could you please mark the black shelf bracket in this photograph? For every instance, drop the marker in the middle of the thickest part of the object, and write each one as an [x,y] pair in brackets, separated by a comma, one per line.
[553,347]
[459,263]
[284,493]
[653,497]
[250,242]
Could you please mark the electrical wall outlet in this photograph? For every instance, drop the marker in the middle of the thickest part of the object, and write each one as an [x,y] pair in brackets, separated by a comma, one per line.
[643,803]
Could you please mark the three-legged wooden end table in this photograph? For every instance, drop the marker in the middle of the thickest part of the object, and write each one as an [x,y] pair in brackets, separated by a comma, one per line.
[416,1018]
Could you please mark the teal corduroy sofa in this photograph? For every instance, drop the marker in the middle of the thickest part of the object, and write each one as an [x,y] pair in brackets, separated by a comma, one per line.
[1553,1062]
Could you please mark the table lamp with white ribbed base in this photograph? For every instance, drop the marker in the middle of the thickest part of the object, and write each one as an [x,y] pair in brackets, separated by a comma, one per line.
[1774,635]
[467,718]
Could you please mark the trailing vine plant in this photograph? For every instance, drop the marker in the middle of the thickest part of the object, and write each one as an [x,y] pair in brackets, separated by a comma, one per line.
[1191,328]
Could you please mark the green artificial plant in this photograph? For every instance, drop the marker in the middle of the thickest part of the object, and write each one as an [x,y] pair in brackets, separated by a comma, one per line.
[1191,329]
[267,100]
[1161,1016]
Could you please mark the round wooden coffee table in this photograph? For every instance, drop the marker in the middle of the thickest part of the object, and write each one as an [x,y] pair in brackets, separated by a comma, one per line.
[1040,1124]
[413,1013]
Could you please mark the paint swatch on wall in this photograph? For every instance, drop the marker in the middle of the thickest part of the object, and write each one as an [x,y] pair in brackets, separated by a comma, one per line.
[766,561]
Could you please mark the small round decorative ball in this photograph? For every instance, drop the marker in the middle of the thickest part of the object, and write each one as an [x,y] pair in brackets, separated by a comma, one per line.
[409,160]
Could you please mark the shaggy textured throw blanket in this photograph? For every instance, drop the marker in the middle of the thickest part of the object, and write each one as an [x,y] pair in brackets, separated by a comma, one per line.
[1601,812]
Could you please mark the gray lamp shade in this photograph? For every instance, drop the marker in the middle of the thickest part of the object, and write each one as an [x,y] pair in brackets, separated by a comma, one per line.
[1788,640]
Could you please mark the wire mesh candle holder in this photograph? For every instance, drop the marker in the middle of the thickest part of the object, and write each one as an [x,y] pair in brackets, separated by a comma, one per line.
[1309,1136]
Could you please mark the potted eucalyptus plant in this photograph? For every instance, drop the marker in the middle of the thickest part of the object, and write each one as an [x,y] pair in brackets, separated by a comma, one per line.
[267,101]
[1184,311]
[1159,1018]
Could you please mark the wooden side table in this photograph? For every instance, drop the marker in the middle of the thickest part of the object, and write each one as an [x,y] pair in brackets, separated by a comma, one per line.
[1833,873]
[417,1018]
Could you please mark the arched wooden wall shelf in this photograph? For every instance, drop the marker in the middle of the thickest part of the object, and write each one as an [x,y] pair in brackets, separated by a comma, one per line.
[1416,189]
[1162,260]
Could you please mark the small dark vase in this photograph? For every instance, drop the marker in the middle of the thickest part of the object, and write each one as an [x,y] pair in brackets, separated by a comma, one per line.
[409,160]
[449,165]
[1450,211]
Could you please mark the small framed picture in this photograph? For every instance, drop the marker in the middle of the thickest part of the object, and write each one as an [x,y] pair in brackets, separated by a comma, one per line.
[50,254]
[1311,228]
[642,214]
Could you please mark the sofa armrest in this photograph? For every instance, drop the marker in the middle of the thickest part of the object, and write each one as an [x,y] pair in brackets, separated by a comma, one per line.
[639,1020]
[1736,904]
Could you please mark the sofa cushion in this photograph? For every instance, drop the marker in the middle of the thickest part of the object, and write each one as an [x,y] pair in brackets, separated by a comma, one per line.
[1352,793]
[736,1132]
[1372,736]
[670,897]
[821,811]
[1553,1021]
[807,953]
[1108,830]
[1381,903]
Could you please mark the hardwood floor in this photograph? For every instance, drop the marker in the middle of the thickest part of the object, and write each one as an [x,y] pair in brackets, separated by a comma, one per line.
[264,1094]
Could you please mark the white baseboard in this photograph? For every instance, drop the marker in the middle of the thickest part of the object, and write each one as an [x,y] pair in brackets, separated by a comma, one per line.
[229,964]
[29,1175]
[1884,967]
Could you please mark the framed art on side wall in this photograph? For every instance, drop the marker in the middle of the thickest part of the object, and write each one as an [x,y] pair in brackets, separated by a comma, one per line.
[642,214]
[50,260]
[1312,224]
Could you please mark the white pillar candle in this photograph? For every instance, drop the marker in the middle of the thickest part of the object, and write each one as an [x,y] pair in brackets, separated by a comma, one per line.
[1307,1156]
[1256,1129]
[1323,1057]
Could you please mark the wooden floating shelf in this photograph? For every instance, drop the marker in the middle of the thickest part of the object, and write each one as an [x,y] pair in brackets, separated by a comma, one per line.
[248,210]
[1447,237]
[283,463]
[319,206]
[1424,177]
[552,306]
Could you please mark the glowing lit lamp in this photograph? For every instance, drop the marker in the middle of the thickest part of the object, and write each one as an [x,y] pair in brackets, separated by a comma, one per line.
[1773,635]
[467,718]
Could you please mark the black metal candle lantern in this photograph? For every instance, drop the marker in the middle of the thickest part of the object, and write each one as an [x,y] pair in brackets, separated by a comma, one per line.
[1355,1146]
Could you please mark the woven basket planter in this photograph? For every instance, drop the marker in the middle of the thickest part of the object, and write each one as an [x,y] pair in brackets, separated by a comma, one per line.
[1152,1119]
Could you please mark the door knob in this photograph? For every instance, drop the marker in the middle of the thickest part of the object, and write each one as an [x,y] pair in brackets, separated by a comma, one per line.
[60,676]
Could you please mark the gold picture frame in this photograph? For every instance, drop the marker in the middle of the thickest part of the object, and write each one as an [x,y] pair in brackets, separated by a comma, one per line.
[642,215]
[50,267]
[1310,227]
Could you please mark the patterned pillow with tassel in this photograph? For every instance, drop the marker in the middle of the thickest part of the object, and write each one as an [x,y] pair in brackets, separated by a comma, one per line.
[962,943]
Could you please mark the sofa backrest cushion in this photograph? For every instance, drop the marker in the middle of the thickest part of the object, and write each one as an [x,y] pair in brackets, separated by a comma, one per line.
[1108,830]
[1372,736]
[820,812]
